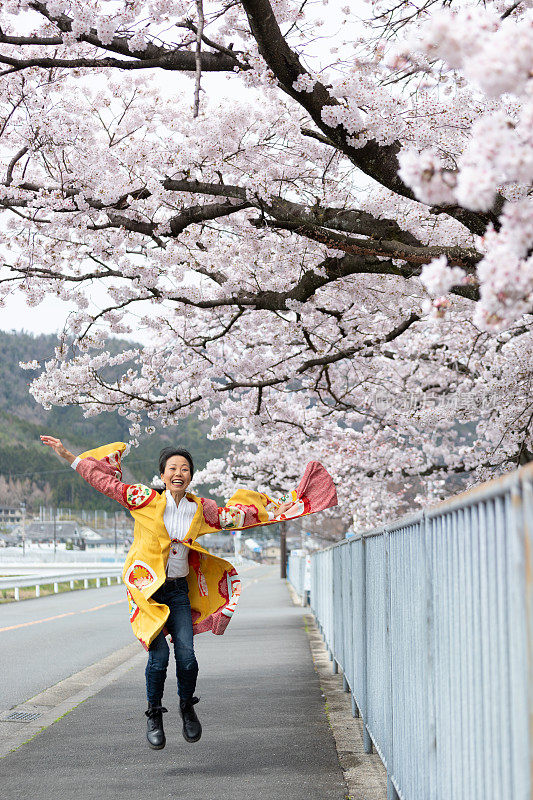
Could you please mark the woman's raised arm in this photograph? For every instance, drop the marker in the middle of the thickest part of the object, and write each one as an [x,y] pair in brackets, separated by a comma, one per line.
[100,468]
[93,472]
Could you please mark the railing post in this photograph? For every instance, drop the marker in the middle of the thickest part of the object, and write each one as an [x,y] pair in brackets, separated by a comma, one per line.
[367,741]
[391,791]
[522,509]
[430,650]
[283,549]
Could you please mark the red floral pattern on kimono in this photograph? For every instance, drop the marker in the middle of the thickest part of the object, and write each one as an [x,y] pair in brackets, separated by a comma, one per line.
[137,495]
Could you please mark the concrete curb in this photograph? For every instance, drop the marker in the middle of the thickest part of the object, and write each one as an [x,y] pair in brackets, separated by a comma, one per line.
[60,699]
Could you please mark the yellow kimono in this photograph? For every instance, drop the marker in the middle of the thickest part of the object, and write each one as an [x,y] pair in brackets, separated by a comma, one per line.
[214,586]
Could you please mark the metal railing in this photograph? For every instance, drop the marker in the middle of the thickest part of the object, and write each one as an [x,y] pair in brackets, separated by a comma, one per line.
[54,579]
[299,574]
[430,619]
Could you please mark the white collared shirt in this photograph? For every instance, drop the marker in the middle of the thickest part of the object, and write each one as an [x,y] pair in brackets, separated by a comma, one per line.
[178,519]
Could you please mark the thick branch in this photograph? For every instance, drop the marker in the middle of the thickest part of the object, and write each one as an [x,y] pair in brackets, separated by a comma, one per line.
[18,41]
[178,223]
[152,56]
[375,254]
[417,255]
[378,161]
[340,219]
[173,60]
[11,166]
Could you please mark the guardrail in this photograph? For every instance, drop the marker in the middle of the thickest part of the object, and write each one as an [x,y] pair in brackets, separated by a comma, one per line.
[430,619]
[57,578]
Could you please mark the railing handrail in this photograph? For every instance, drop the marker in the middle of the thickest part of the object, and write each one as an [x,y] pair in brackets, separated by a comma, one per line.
[13,582]
[484,491]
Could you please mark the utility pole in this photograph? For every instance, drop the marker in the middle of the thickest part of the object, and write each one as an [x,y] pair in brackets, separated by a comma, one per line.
[55,538]
[23,509]
[237,543]
[283,549]
[115,521]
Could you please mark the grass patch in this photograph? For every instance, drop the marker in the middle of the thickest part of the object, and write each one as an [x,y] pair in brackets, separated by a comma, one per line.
[28,592]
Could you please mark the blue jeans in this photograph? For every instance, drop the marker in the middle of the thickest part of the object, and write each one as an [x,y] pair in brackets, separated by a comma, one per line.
[179,624]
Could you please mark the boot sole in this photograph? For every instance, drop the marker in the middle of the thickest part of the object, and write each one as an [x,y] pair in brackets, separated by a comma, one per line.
[191,740]
[156,746]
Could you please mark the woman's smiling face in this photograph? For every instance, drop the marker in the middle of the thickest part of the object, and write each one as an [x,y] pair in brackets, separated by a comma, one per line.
[177,474]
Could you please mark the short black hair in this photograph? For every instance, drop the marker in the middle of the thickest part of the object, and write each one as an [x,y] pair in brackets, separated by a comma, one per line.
[168,452]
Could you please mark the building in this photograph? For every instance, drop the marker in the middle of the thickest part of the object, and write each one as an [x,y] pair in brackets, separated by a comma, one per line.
[271,552]
[10,515]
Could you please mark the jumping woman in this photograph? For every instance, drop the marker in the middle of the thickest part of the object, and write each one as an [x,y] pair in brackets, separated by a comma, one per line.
[174,586]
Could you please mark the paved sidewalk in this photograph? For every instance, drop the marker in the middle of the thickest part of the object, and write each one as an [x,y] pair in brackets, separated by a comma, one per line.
[266,734]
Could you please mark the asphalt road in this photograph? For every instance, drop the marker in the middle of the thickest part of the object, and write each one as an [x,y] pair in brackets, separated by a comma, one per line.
[46,639]
[266,734]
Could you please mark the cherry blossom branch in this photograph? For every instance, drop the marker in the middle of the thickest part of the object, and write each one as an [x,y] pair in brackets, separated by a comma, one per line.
[311,223]
[234,384]
[11,166]
[151,56]
[19,41]
[329,270]
[171,60]
[411,255]
[379,161]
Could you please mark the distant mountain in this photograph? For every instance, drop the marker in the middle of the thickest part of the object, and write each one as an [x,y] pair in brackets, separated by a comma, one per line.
[29,470]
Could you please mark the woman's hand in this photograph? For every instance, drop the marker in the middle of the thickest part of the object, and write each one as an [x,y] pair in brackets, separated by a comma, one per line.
[58,447]
[283,508]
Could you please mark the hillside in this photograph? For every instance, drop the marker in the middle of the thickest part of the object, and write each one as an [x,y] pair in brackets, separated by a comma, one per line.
[30,471]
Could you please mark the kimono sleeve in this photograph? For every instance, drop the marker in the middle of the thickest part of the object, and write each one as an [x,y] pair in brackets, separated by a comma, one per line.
[248,509]
[315,492]
[103,478]
[245,511]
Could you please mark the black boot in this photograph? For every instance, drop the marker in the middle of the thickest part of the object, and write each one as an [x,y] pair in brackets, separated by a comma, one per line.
[192,730]
[155,733]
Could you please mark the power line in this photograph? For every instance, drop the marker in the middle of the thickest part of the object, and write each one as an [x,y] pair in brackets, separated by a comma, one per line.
[53,471]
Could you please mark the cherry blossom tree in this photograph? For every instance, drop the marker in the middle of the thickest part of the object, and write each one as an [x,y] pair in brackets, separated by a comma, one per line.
[320,219]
